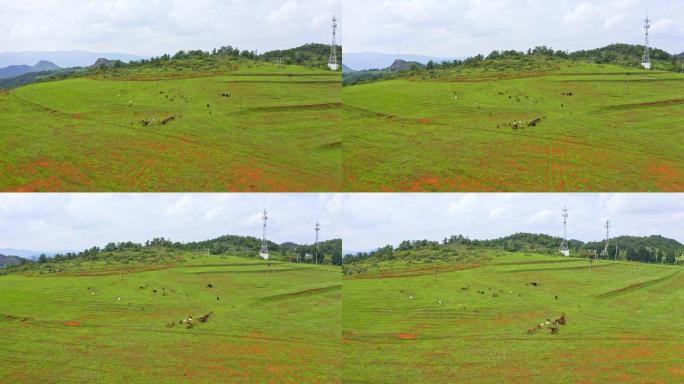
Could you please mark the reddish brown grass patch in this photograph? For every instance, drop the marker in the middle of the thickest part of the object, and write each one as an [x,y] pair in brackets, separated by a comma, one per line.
[407,336]
[72,323]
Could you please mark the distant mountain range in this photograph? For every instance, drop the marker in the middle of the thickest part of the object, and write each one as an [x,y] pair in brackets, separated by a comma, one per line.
[64,59]
[9,260]
[18,70]
[376,60]
[24,253]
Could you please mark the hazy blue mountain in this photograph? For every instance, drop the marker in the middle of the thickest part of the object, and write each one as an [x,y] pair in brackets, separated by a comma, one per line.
[18,70]
[64,59]
[9,260]
[27,254]
[346,69]
[376,60]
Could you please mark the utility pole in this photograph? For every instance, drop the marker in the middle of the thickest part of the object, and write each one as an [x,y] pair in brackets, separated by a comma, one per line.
[318,228]
[605,250]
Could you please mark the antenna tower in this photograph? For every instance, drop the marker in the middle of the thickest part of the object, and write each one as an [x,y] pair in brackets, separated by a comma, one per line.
[318,228]
[264,245]
[564,249]
[332,63]
[646,59]
[605,250]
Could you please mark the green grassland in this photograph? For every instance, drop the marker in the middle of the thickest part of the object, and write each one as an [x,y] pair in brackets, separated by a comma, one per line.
[622,321]
[238,125]
[600,128]
[108,322]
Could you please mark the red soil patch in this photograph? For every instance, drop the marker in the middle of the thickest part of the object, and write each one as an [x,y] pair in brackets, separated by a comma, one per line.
[424,121]
[72,323]
[406,336]
[57,174]
[253,180]
[667,179]
[676,371]
[76,115]
[431,182]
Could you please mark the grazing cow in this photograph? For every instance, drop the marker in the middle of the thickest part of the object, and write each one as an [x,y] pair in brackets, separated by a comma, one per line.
[210,286]
[560,320]
[217,298]
[205,318]
[553,330]
[534,122]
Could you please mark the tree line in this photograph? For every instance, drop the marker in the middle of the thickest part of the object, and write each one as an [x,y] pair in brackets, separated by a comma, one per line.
[651,249]
[329,251]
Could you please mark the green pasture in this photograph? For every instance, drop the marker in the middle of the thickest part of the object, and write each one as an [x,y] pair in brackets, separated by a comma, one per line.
[600,128]
[270,323]
[246,128]
[471,326]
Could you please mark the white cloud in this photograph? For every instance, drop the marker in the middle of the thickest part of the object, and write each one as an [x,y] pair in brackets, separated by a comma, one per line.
[45,222]
[152,27]
[456,28]
[371,221]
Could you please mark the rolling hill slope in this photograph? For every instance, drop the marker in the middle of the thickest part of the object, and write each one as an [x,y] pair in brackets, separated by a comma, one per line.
[194,121]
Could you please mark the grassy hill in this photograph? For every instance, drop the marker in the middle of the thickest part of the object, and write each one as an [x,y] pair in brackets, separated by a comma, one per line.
[516,122]
[117,321]
[161,250]
[647,249]
[313,55]
[193,121]
[478,315]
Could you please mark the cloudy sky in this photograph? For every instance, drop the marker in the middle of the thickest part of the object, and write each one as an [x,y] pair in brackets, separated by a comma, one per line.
[52,222]
[374,220]
[153,27]
[459,28]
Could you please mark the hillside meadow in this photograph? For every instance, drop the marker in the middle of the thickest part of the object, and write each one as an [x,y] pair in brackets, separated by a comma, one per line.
[226,127]
[99,322]
[534,126]
[495,317]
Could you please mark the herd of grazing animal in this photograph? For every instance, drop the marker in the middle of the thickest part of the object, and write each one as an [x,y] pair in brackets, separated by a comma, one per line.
[551,327]
[148,122]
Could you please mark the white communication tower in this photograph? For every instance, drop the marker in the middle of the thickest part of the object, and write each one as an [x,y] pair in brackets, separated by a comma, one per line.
[332,63]
[605,250]
[646,59]
[264,245]
[564,249]
[318,228]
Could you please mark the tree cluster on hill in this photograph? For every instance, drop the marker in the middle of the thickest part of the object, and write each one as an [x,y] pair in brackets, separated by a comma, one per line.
[311,55]
[161,249]
[534,59]
[652,249]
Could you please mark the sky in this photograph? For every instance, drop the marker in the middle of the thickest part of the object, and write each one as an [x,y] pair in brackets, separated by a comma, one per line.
[59,222]
[154,27]
[462,28]
[374,220]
